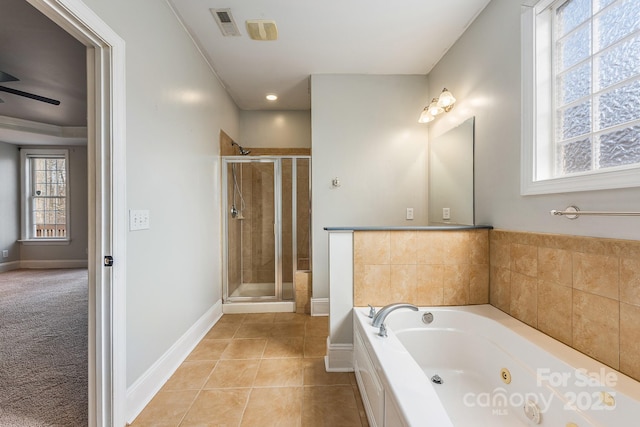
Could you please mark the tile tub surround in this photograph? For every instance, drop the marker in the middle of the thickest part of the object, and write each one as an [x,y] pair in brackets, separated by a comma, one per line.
[582,291]
[422,267]
[258,370]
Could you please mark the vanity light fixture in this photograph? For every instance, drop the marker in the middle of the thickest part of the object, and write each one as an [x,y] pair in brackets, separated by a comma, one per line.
[443,104]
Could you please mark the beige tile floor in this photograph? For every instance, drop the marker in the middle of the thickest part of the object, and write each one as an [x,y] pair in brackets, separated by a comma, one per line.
[258,370]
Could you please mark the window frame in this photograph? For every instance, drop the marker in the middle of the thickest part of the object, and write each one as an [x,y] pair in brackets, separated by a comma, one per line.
[26,195]
[537,149]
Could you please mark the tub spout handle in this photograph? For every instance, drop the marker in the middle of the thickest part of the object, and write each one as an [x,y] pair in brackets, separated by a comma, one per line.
[383,331]
[372,311]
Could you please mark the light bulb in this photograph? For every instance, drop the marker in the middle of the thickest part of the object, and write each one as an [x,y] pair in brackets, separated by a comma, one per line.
[434,109]
[425,116]
[446,99]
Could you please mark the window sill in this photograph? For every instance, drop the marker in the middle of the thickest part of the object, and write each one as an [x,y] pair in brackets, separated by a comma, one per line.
[45,242]
[603,180]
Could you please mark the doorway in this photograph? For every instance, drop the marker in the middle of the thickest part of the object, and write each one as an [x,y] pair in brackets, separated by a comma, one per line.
[106,206]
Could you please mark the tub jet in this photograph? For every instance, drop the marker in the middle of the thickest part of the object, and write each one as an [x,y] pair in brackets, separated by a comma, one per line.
[436,379]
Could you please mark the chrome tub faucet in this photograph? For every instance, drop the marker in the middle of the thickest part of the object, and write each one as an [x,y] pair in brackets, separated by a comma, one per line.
[380,316]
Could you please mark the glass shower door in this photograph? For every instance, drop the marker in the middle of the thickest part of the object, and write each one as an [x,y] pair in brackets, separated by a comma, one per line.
[251,220]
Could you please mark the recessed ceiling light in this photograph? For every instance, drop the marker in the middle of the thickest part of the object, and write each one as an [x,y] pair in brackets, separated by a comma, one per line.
[272,97]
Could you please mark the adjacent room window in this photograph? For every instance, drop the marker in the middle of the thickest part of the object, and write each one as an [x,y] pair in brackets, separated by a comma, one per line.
[581,76]
[45,194]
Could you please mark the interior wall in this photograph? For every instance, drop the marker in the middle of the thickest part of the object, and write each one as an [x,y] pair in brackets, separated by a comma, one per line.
[366,133]
[275,129]
[176,108]
[78,193]
[9,201]
[482,70]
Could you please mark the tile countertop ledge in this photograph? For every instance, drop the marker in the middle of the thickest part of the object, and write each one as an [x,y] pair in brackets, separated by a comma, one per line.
[411,228]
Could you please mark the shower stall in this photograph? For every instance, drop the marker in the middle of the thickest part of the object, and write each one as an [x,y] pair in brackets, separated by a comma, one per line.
[266,215]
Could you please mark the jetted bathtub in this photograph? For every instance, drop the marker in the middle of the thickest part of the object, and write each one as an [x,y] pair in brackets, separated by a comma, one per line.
[476,366]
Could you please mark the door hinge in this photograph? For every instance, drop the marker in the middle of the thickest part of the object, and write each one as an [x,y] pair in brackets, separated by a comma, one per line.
[108,261]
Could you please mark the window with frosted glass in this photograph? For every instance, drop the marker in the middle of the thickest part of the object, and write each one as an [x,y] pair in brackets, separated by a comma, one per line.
[48,197]
[596,71]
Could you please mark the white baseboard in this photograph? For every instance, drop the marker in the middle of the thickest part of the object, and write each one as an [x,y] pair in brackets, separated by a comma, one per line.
[339,357]
[259,307]
[44,263]
[140,393]
[54,263]
[8,266]
[319,306]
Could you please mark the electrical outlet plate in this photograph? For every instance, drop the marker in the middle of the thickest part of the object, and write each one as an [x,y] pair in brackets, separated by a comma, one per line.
[446,213]
[5,254]
[139,220]
[409,213]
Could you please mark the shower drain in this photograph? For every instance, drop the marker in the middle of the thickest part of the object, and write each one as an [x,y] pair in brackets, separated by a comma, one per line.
[436,379]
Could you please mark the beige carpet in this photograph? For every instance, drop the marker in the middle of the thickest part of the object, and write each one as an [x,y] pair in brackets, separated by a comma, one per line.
[43,348]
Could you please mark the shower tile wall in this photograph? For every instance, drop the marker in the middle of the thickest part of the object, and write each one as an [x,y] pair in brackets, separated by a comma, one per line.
[421,267]
[582,291]
[257,238]
[287,200]
[302,217]
[258,260]
[303,210]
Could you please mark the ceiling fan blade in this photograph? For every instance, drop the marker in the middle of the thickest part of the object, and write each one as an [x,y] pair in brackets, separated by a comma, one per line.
[29,95]
[6,77]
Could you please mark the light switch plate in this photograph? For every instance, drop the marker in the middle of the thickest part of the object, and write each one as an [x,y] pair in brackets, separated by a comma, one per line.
[139,219]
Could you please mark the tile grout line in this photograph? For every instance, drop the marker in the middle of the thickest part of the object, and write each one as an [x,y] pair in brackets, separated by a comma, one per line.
[189,408]
[198,393]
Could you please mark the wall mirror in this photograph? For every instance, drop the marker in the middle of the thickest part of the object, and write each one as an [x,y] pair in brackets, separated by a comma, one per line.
[451,195]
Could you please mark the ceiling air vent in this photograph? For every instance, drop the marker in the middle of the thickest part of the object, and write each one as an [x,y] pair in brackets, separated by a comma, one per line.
[225,21]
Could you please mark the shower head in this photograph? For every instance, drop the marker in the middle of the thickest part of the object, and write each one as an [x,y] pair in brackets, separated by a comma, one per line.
[243,151]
